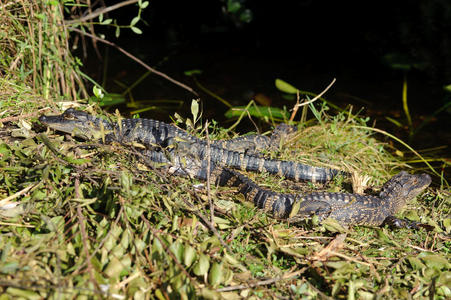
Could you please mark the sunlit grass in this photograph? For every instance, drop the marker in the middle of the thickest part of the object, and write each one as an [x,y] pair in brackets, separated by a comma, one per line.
[97,222]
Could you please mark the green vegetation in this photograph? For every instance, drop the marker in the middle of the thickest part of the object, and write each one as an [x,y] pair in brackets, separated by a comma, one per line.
[90,220]
[81,220]
[34,49]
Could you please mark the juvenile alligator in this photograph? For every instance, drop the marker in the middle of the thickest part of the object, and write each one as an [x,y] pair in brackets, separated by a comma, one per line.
[347,209]
[156,135]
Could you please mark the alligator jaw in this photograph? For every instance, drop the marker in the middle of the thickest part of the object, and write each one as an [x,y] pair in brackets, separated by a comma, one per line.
[78,124]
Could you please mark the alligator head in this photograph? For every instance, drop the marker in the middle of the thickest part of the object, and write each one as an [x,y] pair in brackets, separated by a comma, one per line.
[79,124]
[403,187]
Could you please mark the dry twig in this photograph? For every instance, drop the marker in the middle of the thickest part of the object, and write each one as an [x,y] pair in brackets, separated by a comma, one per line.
[296,107]
[330,249]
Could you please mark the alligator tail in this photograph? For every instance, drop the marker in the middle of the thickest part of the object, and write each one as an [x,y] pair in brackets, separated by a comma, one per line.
[254,163]
[280,205]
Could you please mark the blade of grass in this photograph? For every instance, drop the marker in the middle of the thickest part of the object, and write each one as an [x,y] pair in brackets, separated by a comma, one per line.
[207,91]
[404,103]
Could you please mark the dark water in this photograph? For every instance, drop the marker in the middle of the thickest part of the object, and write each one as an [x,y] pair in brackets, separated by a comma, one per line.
[303,44]
[238,76]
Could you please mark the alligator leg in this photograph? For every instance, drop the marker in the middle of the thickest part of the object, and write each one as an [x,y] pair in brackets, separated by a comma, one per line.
[308,208]
[249,144]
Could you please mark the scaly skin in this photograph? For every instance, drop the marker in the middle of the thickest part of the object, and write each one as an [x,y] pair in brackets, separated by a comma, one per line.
[256,143]
[348,209]
[152,134]
[366,210]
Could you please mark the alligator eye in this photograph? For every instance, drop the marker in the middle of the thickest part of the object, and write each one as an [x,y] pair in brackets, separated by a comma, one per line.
[69,116]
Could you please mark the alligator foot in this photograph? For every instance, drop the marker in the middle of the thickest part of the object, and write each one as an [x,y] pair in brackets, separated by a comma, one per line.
[394,222]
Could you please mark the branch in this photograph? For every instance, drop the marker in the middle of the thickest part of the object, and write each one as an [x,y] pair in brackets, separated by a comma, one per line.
[161,74]
[98,12]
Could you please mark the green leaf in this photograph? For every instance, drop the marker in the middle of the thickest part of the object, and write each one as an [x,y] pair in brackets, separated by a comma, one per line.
[285,87]
[136,30]
[118,31]
[126,181]
[434,261]
[107,21]
[134,21]
[211,294]
[333,226]
[202,266]
[396,122]
[108,99]
[246,16]
[41,16]
[144,4]
[412,215]
[56,224]
[295,209]
[178,118]
[177,249]
[157,246]
[231,260]
[189,255]
[114,268]
[415,263]
[5,151]
[447,224]
[398,61]
[9,267]
[258,112]
[97,92]
[215,276]
[192,72]
[194,109]
[159,295]
[233,6]
[100,18]
[23,293]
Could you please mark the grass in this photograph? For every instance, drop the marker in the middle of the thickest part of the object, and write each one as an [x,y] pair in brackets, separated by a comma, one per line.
[92,221]
[80,220]
[35,50]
